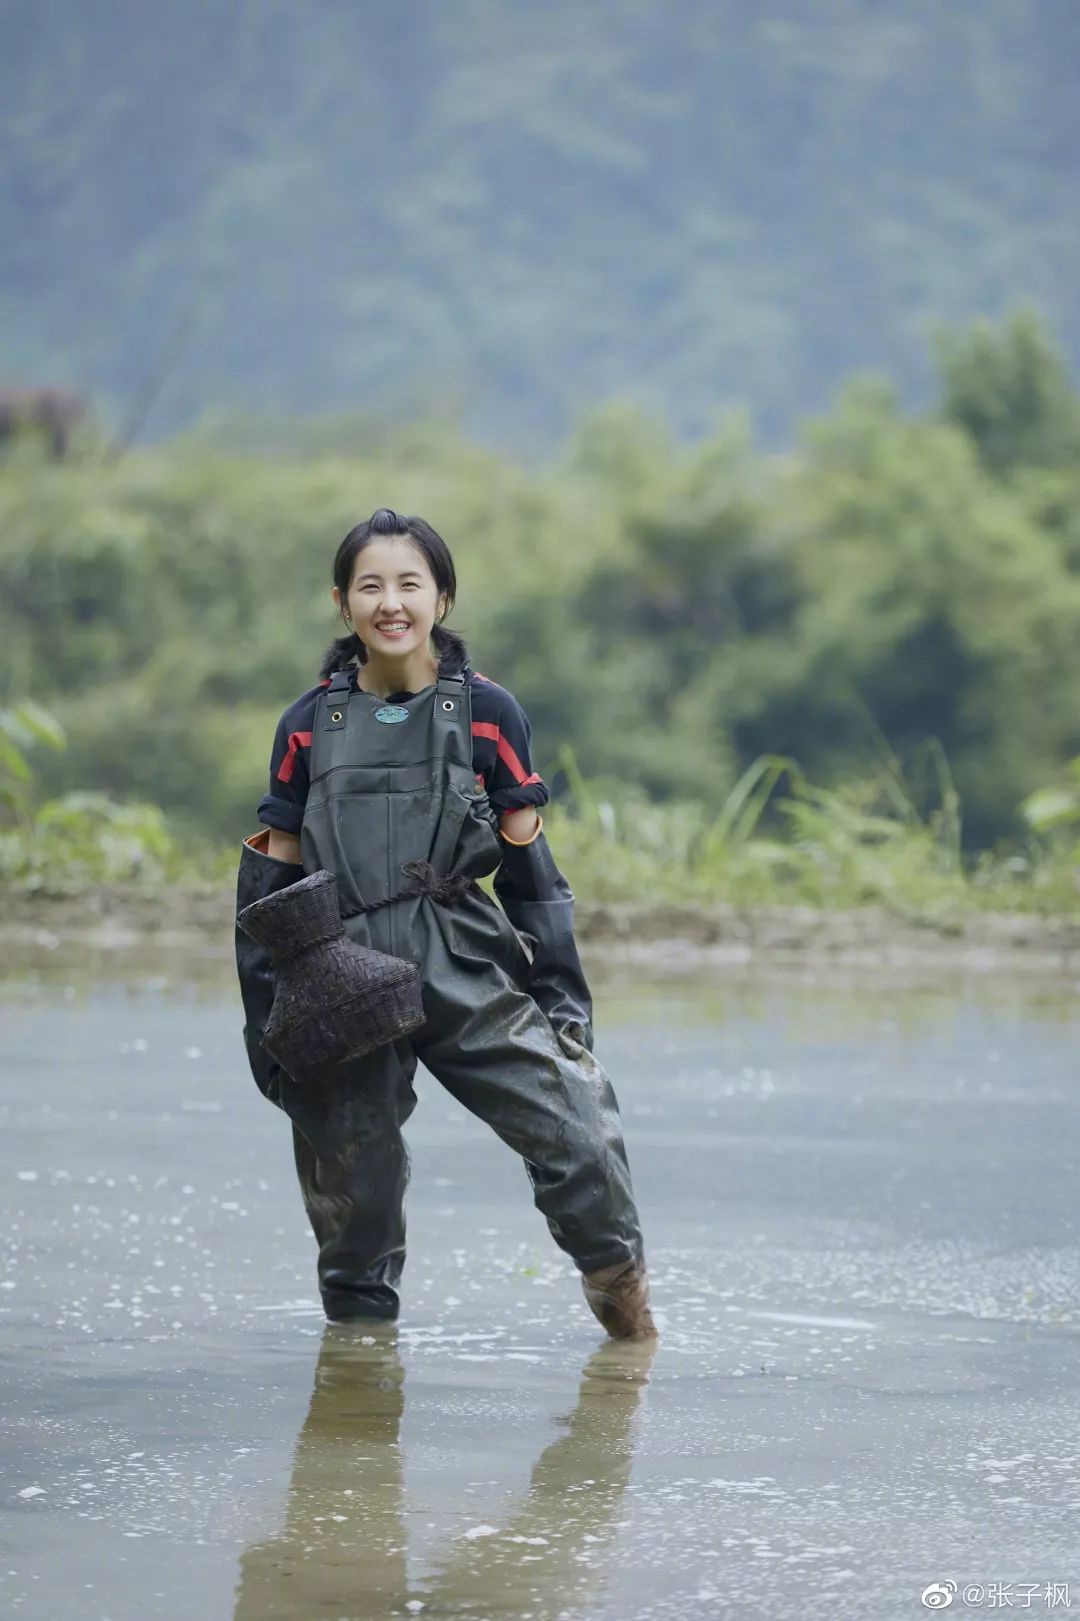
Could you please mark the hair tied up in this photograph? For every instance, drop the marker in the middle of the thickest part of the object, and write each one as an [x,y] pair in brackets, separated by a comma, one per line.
[385,521]
[449,647]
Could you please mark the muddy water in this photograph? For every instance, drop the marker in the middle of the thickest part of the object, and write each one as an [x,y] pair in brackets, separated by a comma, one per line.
[861,1212]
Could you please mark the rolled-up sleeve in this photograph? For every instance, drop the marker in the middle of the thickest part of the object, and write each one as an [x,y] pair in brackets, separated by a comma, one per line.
[512,783]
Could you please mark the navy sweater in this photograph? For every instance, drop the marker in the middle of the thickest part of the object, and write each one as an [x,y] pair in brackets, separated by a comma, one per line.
[501,753]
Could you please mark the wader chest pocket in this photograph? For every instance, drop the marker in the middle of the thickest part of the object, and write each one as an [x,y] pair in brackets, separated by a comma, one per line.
[480,850]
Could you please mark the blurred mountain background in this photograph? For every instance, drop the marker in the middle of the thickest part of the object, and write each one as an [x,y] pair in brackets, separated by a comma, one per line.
[731,346]
[512,212]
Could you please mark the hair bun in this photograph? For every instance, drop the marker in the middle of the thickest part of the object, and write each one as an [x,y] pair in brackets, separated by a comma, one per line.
[385,521]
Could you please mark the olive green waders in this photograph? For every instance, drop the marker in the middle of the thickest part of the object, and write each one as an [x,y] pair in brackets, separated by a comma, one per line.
[393,783]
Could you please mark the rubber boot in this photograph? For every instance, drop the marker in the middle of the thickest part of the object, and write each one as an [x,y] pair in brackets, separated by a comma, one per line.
[619,1296]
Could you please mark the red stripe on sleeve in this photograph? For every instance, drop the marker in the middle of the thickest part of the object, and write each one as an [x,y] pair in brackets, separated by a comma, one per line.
[514,765]
[297,740]
[486,728]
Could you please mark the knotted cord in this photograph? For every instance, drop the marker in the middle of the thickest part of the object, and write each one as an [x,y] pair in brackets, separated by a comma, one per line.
[445,889]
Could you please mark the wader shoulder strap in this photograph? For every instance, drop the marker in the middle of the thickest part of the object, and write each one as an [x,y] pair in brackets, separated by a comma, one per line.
[331,720]
[452,725]
[450,694]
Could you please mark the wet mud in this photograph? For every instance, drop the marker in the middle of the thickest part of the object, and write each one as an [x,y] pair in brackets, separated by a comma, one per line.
[861,1220]
[119,924]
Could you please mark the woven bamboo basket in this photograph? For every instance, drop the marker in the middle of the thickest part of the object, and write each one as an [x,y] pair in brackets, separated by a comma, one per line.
[334,1000]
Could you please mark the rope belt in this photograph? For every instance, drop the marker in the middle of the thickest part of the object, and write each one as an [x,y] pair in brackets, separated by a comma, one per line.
[445,890]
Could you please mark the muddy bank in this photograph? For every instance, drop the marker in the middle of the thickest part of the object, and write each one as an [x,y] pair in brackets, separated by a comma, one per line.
[137,925]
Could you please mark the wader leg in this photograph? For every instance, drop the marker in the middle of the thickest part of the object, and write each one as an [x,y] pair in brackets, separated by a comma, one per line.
[494,1051]
[353,1168]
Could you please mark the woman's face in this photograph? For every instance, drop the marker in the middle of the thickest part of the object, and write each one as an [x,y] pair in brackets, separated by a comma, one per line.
[393,600]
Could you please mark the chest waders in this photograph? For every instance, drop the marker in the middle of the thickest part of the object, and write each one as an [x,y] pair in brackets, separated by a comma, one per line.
[393,784]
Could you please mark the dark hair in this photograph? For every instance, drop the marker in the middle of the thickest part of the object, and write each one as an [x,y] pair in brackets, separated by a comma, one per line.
[449,647]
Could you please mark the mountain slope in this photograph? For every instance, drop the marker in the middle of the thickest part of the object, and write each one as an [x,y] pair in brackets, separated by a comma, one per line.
[519,210]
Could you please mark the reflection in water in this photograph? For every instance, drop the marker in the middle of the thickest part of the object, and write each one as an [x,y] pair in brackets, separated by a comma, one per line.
[342,1552]
[344,1535]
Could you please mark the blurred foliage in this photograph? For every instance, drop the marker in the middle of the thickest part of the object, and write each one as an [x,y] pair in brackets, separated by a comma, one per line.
[21,727]
[1054,812]
[512,209]
[1055,807]
[865,843]
[87,838]
[1012,394]
[79,838]
[896,593]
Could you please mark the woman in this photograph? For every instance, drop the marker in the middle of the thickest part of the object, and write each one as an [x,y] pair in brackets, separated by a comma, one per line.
[403,754]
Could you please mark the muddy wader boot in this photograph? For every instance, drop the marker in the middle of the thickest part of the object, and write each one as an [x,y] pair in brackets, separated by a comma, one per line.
[619,1298]
[335,1113]
[393,785]
[540,904]
[260,875]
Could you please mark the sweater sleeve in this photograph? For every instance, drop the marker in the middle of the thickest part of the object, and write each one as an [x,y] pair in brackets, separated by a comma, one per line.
[282,806]
[505,747]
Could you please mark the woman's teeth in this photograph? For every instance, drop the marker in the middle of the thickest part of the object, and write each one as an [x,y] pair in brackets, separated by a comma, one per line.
[392,627]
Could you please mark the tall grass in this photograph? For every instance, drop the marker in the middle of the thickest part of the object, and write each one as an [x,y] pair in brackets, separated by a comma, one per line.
[778,839]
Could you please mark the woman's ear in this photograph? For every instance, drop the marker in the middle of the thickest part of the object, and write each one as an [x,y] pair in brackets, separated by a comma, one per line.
[339,605]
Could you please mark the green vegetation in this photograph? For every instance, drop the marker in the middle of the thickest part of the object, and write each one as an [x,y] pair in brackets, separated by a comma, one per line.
[863,844]
[1055,812]
[849,673]
[80,838]
[21,728]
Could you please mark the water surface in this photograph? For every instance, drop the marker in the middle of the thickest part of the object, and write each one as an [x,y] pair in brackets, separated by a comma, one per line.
[861,1214]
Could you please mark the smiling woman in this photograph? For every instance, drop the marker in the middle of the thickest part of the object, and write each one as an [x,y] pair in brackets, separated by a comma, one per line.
[394,585]
[393,607]
[403,761]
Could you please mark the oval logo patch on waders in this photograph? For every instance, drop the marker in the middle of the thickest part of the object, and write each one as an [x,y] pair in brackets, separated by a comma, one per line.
[391,714]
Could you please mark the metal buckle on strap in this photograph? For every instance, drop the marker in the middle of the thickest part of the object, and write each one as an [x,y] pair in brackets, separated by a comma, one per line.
[336,709]
[448,696]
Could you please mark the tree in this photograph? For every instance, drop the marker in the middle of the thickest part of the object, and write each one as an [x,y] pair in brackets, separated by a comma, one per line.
[1009,389]
[932,606]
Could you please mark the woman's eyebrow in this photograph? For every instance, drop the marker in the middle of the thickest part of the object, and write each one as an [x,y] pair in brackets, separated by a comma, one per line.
[406,574]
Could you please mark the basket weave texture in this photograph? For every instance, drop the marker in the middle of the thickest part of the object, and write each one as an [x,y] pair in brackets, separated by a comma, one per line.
[333,999]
